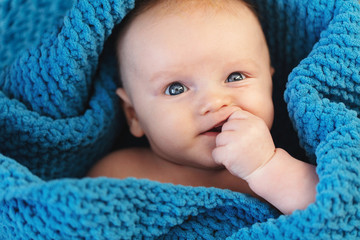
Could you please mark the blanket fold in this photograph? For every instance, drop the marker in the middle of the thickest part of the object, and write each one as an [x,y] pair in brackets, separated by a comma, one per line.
[59,114]
[50,101]
[65,61]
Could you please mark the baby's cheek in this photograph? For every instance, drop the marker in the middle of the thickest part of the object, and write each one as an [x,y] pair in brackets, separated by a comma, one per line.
[267,114]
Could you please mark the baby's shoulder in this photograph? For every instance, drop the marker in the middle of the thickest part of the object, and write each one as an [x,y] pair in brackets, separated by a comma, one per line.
[121,164]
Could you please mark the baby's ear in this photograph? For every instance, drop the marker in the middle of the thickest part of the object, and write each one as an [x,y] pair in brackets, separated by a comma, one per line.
[130,114]
[272,70]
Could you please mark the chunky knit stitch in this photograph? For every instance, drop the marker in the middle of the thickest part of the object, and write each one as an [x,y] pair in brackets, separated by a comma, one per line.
[59,114]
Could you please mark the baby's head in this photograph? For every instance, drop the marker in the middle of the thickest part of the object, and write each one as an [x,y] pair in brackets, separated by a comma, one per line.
[185,66]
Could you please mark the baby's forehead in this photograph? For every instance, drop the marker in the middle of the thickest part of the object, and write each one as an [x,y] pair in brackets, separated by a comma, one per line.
[165,8]
[162,8]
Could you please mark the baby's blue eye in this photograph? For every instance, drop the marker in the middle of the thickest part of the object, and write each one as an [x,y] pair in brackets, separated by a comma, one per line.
[235,76]
[175,88]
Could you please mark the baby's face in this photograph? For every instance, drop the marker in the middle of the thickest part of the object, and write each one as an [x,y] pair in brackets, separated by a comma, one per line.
[185,74]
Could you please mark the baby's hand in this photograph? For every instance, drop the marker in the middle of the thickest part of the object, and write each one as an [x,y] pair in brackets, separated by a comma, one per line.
[244,144]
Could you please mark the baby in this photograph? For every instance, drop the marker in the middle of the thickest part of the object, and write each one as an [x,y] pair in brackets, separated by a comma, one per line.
[197,82]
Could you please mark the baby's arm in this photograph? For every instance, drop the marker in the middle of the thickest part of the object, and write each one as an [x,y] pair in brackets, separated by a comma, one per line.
[245,147]
[285,182]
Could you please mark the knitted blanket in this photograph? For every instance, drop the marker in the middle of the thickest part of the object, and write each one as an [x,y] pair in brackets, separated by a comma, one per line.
[59,114]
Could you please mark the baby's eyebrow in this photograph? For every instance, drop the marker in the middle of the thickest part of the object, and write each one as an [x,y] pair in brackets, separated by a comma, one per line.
[244,62]
[237,63]
[157,76]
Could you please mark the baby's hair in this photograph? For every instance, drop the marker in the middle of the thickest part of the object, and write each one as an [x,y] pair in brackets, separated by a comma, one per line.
[142,6]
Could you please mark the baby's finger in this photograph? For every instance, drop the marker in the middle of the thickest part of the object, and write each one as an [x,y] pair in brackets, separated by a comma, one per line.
[233,125]
[240,114]
[219,154]
[224,138]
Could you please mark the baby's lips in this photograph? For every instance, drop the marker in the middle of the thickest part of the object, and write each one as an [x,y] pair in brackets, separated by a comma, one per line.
[226,113]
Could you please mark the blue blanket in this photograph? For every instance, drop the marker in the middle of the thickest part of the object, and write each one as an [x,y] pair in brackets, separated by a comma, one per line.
[59,114]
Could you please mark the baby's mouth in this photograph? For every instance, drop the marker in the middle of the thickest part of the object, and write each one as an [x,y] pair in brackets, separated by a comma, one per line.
[216,129]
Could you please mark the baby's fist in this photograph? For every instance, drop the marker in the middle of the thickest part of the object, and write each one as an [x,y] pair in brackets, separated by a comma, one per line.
[244,144]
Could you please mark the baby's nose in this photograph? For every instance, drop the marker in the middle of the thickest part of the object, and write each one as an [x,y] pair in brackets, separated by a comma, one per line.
[213,101]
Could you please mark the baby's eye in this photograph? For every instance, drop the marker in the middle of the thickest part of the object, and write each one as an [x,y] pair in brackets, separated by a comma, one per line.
[175,88]
[235,76]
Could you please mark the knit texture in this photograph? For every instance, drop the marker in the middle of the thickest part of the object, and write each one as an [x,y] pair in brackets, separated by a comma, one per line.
[59,114]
